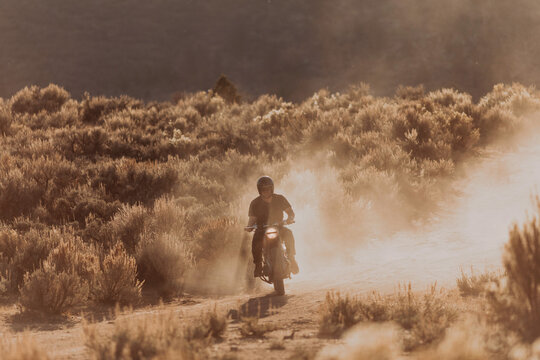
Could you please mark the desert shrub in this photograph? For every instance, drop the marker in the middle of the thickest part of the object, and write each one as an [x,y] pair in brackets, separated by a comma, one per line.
[210,325]
[128,225]
[339,313]
[77,203]
[170,216]
[117,281]
[460,129]
[203,102]
[66,116]
[162,260]
[22,347]
[63,280]
[516,301]
[505,95]
[464,340]
[149,336]
[32,100]
[130,182]
[25,252]
[52,173]
[5,119]
[216,235]
[72,255]
[426,319]
[449,98]
[93,109]
[18,193]
[474,285]
[46,290]
[423,319]
[88,142]
[410,92]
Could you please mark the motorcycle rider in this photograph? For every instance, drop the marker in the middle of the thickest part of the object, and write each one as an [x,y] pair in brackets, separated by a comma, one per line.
[267,209]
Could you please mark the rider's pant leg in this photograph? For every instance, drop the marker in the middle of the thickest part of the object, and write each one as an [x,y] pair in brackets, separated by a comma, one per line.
[288,239]
[256,246]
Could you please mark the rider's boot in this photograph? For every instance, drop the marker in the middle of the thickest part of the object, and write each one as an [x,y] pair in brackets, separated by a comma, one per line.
[258,270]
[294,265]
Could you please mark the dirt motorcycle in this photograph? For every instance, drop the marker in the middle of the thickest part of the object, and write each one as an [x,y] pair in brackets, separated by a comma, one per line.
[276,265]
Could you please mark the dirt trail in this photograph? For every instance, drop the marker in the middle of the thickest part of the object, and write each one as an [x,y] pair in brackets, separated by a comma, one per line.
[471,232]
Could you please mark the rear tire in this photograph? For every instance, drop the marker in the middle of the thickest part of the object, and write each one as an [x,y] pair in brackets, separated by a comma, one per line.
[279,286]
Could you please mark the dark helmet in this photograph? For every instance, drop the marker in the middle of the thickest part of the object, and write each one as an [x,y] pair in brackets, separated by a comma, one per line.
[265,181]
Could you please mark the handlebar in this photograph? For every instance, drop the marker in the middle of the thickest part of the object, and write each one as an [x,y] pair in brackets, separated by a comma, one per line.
[255,227]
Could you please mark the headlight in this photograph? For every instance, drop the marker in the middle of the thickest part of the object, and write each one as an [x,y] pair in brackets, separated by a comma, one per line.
[272,233]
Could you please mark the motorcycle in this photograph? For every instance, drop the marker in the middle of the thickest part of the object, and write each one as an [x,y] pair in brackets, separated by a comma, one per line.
[276,265]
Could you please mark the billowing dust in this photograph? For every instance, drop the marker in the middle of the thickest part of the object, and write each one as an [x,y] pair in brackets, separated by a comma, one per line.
[469,232]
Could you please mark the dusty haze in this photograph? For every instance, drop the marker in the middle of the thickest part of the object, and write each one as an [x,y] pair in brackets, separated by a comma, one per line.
[151,50]
[336,246]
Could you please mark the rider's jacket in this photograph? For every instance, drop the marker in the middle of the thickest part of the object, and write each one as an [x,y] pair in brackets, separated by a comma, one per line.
[268,213]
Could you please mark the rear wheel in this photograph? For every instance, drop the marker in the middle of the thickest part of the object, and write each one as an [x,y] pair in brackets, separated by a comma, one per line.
[279,286]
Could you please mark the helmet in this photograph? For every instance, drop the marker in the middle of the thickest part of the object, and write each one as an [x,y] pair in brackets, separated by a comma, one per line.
[265,181]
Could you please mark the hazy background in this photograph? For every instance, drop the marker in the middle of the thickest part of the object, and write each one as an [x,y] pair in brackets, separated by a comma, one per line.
[152,49]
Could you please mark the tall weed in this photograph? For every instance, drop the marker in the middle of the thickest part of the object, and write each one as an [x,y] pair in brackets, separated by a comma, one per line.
[516,300]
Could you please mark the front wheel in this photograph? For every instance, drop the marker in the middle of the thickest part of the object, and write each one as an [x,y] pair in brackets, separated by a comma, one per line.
[279,286]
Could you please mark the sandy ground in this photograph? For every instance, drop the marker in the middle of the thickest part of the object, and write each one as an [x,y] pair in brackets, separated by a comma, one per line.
[295,312]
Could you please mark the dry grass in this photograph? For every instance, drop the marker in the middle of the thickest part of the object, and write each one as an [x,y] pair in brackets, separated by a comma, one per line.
[515,299]
[22,347]
[464,340]
[475,285]
[424,318]
[147,336]
[211,325]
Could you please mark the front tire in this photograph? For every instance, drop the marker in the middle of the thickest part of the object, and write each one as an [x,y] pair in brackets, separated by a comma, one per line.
[279,286]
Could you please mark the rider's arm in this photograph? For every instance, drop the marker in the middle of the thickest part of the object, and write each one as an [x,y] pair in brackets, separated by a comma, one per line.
[251,221]
[290,215]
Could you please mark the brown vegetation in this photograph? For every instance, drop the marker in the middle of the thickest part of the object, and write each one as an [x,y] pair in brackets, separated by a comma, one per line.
[78,178]
[155,336]
[22,347]
[423,318]
[515,301]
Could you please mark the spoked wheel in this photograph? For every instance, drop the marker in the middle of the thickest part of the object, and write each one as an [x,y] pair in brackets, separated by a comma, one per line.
[279,286]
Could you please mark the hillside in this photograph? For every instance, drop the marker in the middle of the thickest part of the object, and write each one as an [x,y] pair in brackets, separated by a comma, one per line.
[151,50]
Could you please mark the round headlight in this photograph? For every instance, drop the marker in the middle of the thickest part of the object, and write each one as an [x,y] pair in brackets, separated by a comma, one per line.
[272,233]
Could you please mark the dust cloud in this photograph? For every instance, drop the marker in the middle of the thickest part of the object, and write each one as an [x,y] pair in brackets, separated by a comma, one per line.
[495,190]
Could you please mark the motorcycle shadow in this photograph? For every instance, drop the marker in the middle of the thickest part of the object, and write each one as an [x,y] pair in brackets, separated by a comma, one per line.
[263,306]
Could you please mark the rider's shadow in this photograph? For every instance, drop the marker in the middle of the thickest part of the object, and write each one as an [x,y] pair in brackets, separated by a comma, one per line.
[261,306]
